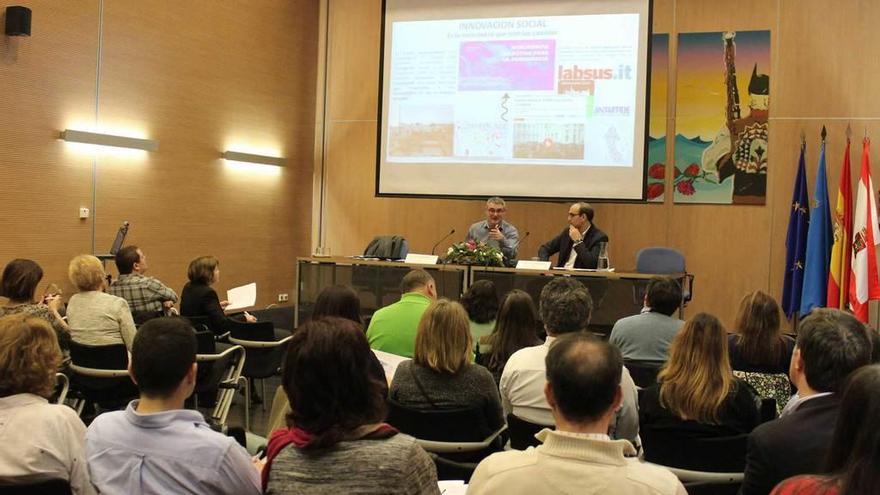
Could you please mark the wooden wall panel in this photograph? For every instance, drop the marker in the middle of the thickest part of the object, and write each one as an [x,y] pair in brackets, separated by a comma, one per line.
[244,82]
[201,79]
[47,83]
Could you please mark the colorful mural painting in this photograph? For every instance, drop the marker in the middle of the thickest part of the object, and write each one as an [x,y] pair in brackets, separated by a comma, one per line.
[722,110]
[657,117]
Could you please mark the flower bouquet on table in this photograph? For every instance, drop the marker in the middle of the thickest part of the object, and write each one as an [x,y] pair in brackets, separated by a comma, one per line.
[473,253]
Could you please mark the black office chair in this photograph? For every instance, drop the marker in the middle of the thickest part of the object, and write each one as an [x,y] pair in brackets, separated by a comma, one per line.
[50,487]
[703,465]
[522,432]
[100,376]
[203,322]
[264,353]
[643,372]
[460,436]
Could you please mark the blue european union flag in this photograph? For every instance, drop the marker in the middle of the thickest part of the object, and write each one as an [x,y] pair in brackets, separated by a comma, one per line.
[820,239]
[796,241]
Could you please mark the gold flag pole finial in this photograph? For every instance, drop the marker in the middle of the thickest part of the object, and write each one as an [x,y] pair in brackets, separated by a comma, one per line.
[824,133]
[803,139]
[848,131]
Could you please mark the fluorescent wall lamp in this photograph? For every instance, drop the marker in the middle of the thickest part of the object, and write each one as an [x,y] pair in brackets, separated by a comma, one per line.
[237,156]
[74,136]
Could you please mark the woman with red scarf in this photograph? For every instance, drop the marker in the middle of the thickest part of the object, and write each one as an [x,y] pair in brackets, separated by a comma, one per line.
[336,440]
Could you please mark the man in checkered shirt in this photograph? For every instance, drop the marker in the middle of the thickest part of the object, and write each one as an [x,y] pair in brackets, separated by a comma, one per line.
[142,293]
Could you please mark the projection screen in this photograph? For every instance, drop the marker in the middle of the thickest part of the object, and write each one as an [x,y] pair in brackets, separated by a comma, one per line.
[515,98]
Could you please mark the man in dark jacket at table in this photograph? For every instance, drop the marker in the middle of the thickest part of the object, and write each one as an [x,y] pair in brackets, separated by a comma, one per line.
[579,244]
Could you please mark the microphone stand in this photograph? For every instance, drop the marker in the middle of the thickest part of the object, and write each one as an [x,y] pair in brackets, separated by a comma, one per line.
[441,240]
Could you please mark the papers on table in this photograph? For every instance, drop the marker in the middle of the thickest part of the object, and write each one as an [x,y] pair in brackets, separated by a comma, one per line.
[241,297]
[532,265]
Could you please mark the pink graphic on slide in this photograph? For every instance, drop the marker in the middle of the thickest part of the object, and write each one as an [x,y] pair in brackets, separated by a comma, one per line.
[506,65]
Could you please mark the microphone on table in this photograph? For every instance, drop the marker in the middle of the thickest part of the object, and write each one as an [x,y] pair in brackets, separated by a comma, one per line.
[441,240]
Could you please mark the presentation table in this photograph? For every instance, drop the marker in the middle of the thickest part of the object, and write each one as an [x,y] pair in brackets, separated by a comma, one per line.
[616,294]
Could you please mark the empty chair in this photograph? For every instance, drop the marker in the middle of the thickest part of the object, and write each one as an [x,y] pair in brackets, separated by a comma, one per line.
[664,260]
[100,375]
[264,353]
[522,433]
[220,376]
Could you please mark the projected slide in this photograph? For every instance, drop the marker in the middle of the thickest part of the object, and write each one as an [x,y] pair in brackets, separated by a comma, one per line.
[515,98]
[551,90]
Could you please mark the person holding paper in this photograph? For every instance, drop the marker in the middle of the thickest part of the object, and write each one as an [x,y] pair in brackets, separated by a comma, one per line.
[578,245]
[494,230]
[198,298]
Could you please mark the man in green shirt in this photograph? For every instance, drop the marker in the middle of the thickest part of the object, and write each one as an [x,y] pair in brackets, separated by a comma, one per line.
[393,328]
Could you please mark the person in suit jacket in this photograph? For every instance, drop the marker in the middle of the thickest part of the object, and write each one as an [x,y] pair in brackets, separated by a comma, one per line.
[578,245]
[830,345]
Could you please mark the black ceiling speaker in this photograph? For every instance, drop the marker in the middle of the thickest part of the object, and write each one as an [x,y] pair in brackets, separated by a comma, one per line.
[18,21]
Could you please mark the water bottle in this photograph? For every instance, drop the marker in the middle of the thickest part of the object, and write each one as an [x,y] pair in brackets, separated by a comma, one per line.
[603,263]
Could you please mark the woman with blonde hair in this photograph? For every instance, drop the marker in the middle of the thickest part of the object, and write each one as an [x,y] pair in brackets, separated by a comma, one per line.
[95,317]
[441,375]
[758,344]
[38,441]
[696,393]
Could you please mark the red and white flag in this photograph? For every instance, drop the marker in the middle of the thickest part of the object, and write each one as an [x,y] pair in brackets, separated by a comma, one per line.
[864,284]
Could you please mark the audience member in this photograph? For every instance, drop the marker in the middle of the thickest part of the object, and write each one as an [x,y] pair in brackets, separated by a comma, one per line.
[758,344]
[830,345]
[515,328]
[696,394]
[199,298]
[19,286]
[565,307]
[495,231]
[336,441]
[338,300]
[38,441]
[854,455]
[95,317]
[335,300]
[647,336]
[440,375]
[583,391]
[481,303]
[143,293]
[155,445]
[393,328]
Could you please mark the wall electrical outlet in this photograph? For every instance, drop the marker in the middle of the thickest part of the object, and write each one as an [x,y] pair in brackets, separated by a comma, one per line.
[84,213]
[283,297]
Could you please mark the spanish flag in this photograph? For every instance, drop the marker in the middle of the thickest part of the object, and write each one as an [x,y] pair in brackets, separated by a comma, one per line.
[841,252]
